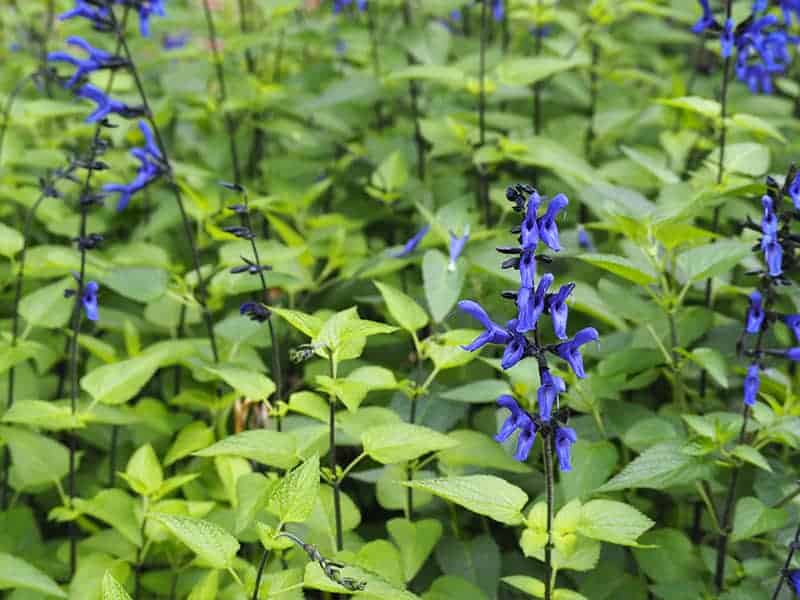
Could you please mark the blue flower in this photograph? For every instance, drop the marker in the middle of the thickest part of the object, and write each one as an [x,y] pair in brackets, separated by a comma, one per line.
[547,395]
[726,40]
[584,239]
[531,304]
[498,10]
[516,348]
[794,188]
[98,15]
[570,350]
[769,222]
[792,354]
[557,305]
[340,5]
[518,419]
[752,382]
[565,437]
[151,167]
[457,247]
[148,8]
[773,255]
[97,59]
[762,54]
[494,334]
[530,228]
[794,580]
[175,42]
[105,104]
[412,244]
[705,21]
[755,314]
[527,268]
[788,7]
[89,301]
[793,323]
[760,5]
[548,231]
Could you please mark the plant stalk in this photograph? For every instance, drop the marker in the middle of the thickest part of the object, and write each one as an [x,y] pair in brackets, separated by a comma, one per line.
[337,500]
[549,489]
[789,556]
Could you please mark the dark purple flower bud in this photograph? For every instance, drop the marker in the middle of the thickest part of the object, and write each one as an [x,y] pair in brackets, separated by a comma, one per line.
[517,420]
[547,395]
[565,437]
[412,244]
[548,230]
[557,305]
[89,301]
[494,334]
[256,311]
[175,42]
[531,305]
[793,323]
[457,245]
[570,350]
[755,314]
[752,382]
[530,227]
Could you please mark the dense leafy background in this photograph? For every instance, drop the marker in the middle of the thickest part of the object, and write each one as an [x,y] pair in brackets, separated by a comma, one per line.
[178,490]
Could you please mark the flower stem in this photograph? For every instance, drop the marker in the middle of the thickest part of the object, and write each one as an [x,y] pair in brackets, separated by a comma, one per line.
[26,232]
[723,134]
[261,566]
[413,91]
[201,284]
[337,501]
[549,489]
[789,556]
[230,127]
[483,181]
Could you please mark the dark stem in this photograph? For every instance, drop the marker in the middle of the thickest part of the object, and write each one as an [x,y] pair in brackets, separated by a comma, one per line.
[337,501]
[789,556]
[727,512]
[723,133]
[372,18]
[409,471]
[187,225]
[230,127]
[549,489]
[413,91]
[249,59]
[26,232]
[261,566]
[483,181]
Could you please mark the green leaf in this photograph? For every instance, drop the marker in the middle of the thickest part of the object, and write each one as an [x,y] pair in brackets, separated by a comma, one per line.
[293,498]
[15,573]
[118,509]
[753,518]
[112,589]
[403,309]
[482,494]
[442,285]
[143,472]
[751,455]
[478,450]
[207,588]
[711,260]
[592,465]
[213,545]
[251,384]
[273,448]
[757,125]
[43,415]
[119,382]
[450,76]
[195,436]
[712,361]
[401,442]
[416,540]
[659,467]
[528,585]
[11,241]
[46,307]
[614,522]
[701,106]
[485,391]
[141,284]
[36,460]
[541,151]
[305,323]
[390,176]
[746,158]
[661,172]
[671,557]
[526,71]
[619,266]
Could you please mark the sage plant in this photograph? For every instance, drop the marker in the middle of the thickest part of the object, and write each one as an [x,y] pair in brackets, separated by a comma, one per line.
[523,337]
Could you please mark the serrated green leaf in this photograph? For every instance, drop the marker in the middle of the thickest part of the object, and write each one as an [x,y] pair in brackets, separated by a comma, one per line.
[402,442]
[292,500]
[112,589]
[614,522]
[213,545]
[16,573]
[403,309]
[273,448]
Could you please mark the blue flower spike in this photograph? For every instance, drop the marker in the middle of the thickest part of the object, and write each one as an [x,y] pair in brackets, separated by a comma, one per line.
[570,350]
[517,420]
[564,438]
[755,313]
[547,395]
[752,382]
